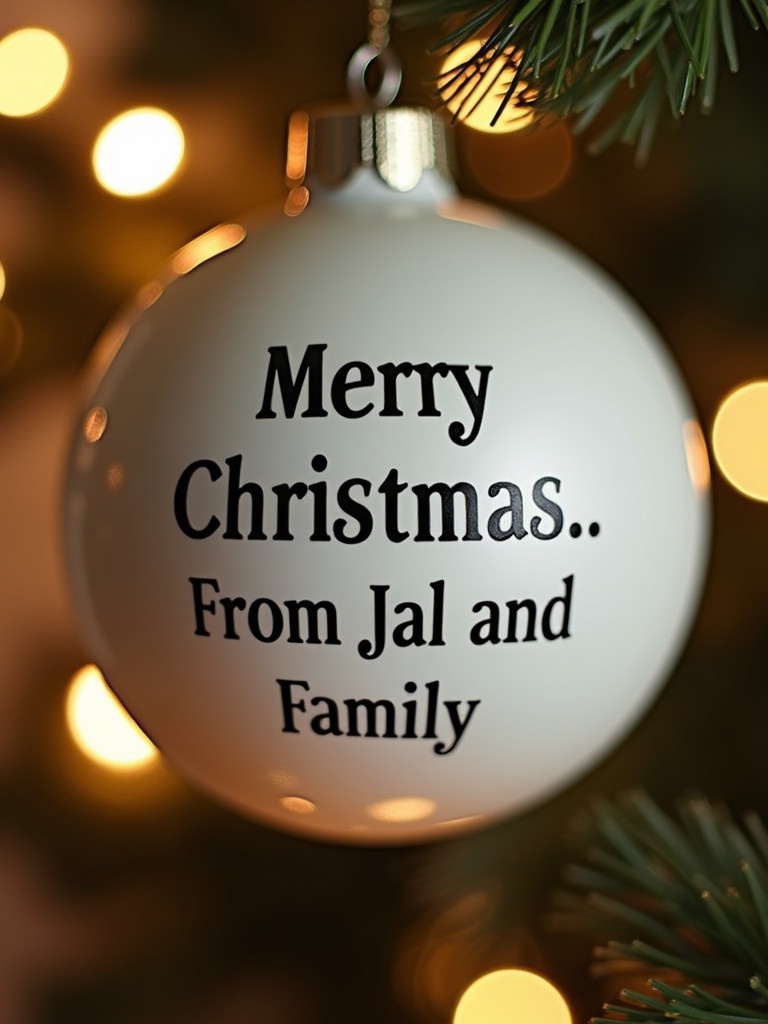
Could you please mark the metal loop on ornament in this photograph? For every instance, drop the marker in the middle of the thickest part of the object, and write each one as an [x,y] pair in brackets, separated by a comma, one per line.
[391,76]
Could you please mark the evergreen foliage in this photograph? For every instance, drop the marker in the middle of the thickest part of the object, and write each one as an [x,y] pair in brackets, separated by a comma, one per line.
[687,903]
[581,57]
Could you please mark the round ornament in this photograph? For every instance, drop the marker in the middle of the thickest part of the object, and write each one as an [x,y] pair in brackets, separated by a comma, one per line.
[387,515]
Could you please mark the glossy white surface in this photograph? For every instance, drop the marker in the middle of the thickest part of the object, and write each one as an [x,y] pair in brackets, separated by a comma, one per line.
[579,391]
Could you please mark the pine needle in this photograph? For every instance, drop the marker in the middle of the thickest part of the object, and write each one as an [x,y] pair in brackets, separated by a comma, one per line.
[687,899]
[578,54]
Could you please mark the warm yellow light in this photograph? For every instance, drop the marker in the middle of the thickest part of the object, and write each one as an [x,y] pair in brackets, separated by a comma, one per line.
[95,424]
[402,808]
[206,246]
[474,94]
[298,144]
[100,726]
[3,280]
[740,439]
[34,66]
[296,201]
[138,152]
[512,997]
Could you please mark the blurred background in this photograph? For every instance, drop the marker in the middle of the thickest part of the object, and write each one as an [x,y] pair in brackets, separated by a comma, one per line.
[125,895]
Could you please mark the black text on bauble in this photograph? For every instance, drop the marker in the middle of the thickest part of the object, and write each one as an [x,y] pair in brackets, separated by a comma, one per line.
[215,498]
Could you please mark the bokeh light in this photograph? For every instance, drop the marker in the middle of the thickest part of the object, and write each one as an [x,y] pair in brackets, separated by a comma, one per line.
[100,726]
[34,67]
[512,996]
[523,165]
[740,439]
[3,281]
[474,94]
[138,152]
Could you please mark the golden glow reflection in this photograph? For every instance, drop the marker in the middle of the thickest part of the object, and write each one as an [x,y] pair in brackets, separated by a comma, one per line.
[740,439]
[474,94]
[138,152]
[101,728]
[297,805]
[512,996]
[406,152]
[297,201]
[205,247]
[469,211]
[696,456]
[148,294]
[95,424]
[402,809]
[34,66]
[298,142]
[3,280]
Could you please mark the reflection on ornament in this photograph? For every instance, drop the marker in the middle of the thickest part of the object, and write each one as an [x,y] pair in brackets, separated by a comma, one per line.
[297,149]
[402,809]
[297,805]
[512,996]
[739,439]
[205,247]
[696,455]
[383,544]
[95,424]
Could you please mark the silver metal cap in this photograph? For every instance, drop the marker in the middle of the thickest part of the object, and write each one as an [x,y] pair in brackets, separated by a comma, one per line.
[327,145]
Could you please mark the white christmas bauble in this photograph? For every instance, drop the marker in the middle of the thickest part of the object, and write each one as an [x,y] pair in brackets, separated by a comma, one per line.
[389,520]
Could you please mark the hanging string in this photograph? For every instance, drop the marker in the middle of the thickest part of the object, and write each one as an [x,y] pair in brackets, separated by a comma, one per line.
[378,22]
[375,50]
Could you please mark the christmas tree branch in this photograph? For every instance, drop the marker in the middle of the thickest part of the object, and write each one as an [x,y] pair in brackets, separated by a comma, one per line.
[581,57]
[687,903]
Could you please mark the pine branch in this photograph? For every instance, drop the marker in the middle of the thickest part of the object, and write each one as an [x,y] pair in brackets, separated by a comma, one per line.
[686,902]
[579,56]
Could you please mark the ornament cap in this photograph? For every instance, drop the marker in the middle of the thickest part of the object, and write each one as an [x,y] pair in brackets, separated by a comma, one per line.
[326,146]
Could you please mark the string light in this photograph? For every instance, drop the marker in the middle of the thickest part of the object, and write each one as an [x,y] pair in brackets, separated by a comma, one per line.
[740,439]
[34,67]
[512,996]
[138,152]
[100,726]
